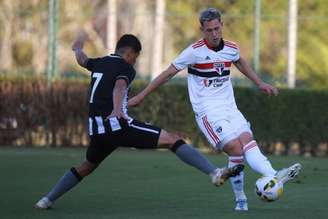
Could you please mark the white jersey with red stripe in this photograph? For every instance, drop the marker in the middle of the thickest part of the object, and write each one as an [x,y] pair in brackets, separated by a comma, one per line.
[209,82]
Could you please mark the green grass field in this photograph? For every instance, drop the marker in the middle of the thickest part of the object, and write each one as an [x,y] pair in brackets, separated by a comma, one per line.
[148,184]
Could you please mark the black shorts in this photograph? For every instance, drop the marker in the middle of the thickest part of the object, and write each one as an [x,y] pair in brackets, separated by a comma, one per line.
[105,137]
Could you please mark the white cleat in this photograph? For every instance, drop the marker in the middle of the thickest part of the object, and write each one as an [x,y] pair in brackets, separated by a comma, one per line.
[241,205]
[221,175]
[43,203]
[289,173]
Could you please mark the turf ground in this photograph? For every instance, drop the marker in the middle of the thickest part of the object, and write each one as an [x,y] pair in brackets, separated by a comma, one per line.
[149,184]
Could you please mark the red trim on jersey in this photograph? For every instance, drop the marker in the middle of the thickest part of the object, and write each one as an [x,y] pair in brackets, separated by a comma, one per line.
[198,44]
[204,65]
[208,45]
[230,44]
[210,131]
[199,41]
[210,65]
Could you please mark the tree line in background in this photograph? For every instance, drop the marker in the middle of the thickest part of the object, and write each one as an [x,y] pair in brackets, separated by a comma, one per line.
[24,33]
[38,116]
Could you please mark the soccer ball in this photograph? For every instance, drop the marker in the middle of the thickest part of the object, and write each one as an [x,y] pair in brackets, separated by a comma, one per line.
[268,188]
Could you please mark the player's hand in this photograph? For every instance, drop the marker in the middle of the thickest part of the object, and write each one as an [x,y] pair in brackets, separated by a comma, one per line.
[118,114]
[77,45]
[79,42]
[268,89]
[135,101]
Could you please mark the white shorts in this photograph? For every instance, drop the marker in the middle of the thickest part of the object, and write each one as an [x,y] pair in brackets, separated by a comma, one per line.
[223,126]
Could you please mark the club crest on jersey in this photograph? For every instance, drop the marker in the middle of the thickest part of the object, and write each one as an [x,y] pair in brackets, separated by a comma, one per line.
[219,67]
[219,129]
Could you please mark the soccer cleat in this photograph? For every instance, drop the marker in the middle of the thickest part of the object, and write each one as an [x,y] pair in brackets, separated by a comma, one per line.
[43,203]
[287,174]
[223,174]
[241,205]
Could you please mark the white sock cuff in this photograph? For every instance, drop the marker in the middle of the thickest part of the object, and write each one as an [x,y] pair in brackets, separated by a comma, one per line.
[249,145]
[236,159]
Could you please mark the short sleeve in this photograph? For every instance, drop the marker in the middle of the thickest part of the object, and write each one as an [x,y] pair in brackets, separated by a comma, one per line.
[235,55]
[233,49]
[91,63]
[185,58]
[126,73]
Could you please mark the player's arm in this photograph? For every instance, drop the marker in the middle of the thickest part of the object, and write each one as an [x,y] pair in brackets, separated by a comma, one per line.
[246,69]
[80,56]
[118,95]
[165,76]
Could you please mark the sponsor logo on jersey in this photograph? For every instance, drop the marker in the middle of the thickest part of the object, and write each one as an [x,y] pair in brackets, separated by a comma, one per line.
[216,82]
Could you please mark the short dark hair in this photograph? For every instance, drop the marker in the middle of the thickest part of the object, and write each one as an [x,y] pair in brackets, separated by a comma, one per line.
[128,41]
[209,14]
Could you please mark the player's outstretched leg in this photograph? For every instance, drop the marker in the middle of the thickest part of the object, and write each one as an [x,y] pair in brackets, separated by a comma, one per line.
[289,173]
[256,160]
[261,164]
[191,156]
[69,180]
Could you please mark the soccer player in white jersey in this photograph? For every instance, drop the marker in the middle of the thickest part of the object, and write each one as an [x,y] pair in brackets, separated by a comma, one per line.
[211,94]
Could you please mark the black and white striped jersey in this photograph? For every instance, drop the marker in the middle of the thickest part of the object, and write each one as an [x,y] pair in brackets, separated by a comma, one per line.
[105,71]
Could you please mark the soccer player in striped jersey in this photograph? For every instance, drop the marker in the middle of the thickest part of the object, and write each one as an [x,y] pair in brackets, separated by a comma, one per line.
[110,126]
[209,61]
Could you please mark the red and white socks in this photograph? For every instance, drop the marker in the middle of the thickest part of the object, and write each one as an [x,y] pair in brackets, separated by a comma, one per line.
[237,182]
[256,160]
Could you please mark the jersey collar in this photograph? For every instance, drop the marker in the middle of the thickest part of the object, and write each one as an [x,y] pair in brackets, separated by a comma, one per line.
[217,48]
[115,55]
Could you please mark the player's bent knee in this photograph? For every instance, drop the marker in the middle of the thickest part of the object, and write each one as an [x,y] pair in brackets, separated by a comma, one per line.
[245,138]
[85,169]
[167,139]
[76,173]
[233,148]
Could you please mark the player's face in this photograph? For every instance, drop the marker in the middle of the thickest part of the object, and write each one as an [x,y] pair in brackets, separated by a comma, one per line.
[212,31]
[131,57]
[134,58]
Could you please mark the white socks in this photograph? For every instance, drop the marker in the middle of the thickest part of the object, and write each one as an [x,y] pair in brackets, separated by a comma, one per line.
[256,160]
[237,182]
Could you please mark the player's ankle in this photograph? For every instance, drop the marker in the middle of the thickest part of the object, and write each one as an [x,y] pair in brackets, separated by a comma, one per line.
[240,195]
